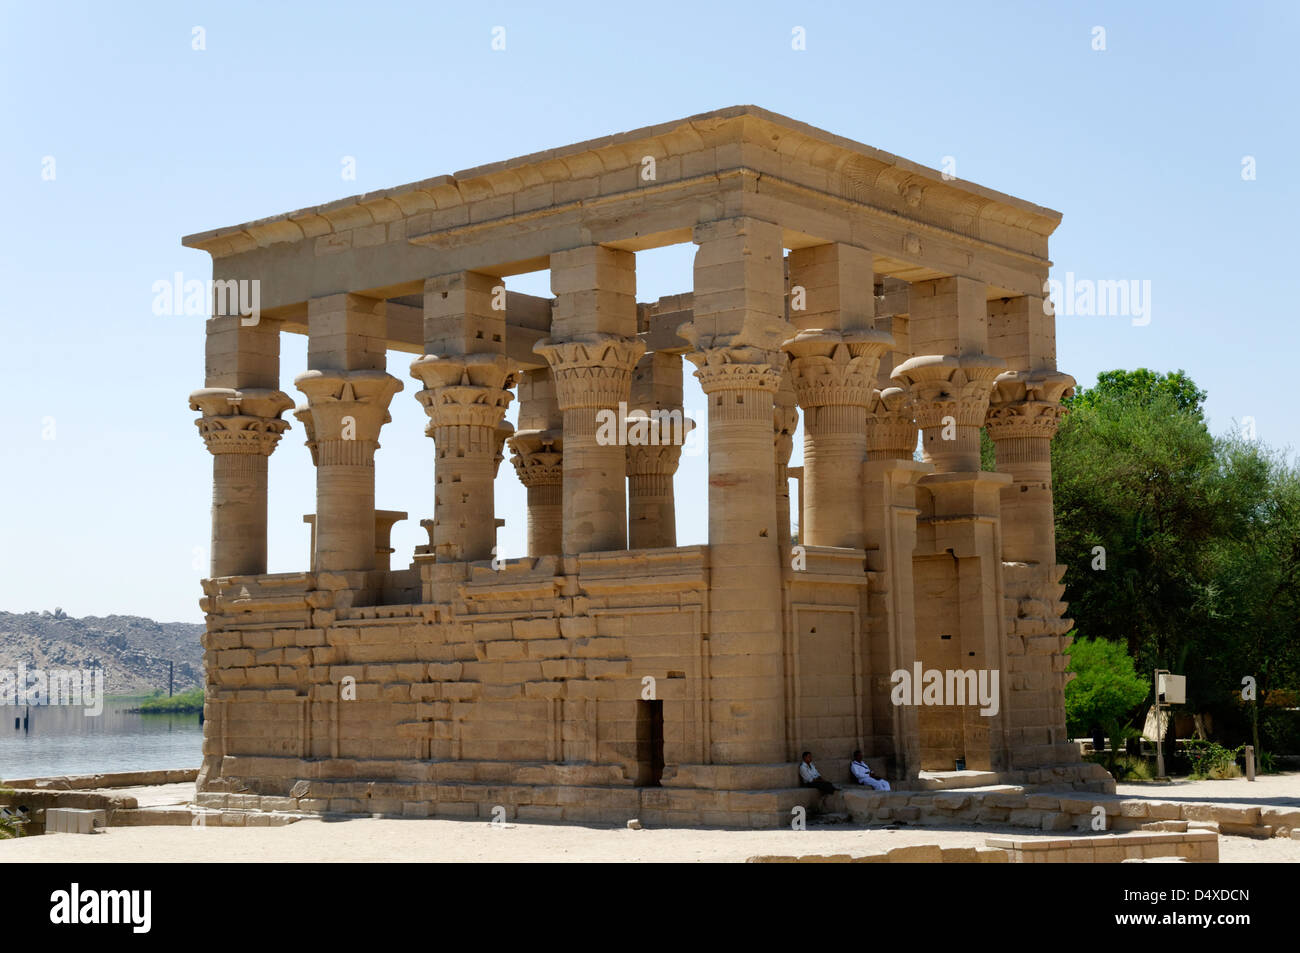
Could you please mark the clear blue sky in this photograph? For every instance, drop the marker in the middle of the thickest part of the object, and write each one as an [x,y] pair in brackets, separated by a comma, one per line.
[1140,146]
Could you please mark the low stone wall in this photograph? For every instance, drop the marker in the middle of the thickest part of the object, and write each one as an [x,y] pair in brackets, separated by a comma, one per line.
[37,802]
[1195,846]
[917,854]
[1056,812]
[119,779]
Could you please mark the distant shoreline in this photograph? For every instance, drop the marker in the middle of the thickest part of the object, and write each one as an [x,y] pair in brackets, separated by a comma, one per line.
[185,703]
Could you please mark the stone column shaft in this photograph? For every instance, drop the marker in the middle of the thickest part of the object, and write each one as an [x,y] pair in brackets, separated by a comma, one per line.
[651,507]
[785,420]
[466,399]
[241,429]
[949,383]
[466,378]
[657,430]
[345,498]
[537,450]
[1024,412]
[546,519]
[348,393]
[833,363]
[347,410]
[891,512]
[737,331]
[591,352]
[239,489]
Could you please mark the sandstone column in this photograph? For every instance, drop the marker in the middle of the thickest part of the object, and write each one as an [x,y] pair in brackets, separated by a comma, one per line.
[890,476]
[833,361]
[737,332]
[1023,416]
[537,454]
[348,393]
[1024,411]
[785,420]
[958,569]
[657,430]
[952,375]
[591,351]
[467,377]
[241,425]
[241,429]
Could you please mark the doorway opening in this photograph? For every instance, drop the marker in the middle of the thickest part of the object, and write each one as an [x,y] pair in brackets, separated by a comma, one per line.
[649,743]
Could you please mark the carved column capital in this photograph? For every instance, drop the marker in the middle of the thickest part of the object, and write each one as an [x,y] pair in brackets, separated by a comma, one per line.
[303,414]
[500,436]
[538,457]
[470,390]
[831,368]
[653,460]
[949,386]
[738,368]
[348,409]
[240,421]
[1027,404]
[891,428]
[591,370]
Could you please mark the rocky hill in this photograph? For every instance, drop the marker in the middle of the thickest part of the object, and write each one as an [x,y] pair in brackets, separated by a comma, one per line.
[133,651]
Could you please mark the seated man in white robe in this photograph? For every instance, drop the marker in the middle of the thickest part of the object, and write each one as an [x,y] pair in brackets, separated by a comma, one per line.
[862,774]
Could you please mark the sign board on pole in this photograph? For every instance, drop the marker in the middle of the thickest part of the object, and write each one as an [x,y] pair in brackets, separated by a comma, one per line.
[1172,688]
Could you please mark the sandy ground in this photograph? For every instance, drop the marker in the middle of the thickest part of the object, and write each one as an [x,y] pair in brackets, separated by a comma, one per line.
[372,840]
[376,840]
[1267,790]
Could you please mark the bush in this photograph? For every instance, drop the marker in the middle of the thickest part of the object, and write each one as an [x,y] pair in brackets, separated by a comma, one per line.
[11,825]
[1279,729]
[1212,761]
[185,702]
[1123,767]
[1103,692]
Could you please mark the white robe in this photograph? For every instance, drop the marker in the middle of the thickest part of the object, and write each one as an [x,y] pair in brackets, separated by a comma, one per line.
[863,775]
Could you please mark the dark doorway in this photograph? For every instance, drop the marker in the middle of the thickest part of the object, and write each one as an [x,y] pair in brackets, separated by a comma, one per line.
[649,743]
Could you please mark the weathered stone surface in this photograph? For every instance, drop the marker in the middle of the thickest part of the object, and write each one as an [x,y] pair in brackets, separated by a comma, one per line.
[610,673]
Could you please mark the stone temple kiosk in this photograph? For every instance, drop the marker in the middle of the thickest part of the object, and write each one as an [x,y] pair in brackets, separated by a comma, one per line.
[611,673]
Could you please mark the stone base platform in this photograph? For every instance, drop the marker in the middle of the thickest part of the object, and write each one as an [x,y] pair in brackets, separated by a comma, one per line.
[736,796]
[667,807]
[1046,811]
[1075,776]
[918,854]
[1196,847]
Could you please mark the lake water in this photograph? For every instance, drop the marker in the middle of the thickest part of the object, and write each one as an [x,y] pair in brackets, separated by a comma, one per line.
[62,739]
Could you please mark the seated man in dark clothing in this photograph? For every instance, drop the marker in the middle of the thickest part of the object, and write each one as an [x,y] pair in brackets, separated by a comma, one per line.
[811,777]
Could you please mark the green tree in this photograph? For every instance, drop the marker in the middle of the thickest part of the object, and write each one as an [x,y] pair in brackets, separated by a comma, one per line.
[1182,546]
[1136,507]
[1253,603]
[1103,692]
[1143,387]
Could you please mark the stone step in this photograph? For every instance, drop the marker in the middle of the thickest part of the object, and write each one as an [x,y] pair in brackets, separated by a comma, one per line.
[946,780]
[1195,846]
[74,820]
[830,817]
[1056,810]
